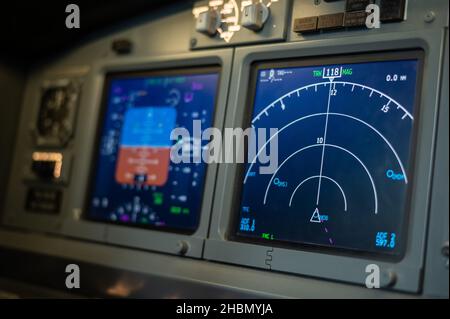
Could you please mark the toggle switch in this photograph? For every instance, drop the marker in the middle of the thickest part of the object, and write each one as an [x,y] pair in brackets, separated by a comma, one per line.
[208,22]
[254,16]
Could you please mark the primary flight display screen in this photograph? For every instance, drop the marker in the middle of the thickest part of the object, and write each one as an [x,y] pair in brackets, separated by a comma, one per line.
[134,181]
[345,138]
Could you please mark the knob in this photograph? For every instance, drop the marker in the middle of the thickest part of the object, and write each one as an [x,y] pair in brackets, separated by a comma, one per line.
[388,279]
[254,16]
[208,22]
[182,247]
[122,46]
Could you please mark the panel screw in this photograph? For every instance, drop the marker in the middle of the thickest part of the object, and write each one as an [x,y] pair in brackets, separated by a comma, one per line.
[316,2]
[193,42]
[429,16]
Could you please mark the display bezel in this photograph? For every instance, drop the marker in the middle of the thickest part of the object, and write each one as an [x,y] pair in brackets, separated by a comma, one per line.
[142,73]
[319,61]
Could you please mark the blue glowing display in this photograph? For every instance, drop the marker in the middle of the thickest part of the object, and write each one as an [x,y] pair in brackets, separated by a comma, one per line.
[345,128]
[135,182]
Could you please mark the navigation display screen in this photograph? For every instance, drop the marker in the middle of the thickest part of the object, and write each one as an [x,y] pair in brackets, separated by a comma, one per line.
[345,143]
[134,181]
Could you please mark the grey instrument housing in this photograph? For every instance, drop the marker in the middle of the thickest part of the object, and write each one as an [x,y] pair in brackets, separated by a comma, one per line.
[220,267]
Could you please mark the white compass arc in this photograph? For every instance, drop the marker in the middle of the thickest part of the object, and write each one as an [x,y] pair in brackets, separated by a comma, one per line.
[332,114]
[280,99]
[375,194]
[318,176]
